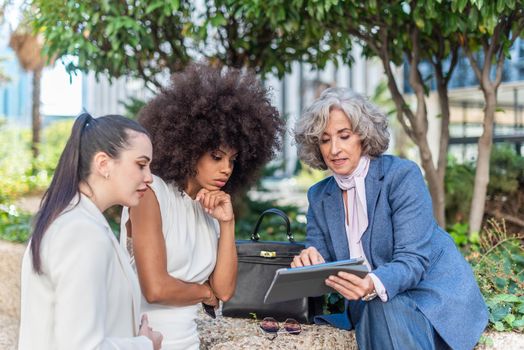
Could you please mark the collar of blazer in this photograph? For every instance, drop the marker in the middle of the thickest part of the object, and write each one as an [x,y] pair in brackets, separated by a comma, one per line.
[334,205]
[92,210]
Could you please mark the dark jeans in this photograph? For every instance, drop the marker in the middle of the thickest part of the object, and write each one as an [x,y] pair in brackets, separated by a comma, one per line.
[397,324]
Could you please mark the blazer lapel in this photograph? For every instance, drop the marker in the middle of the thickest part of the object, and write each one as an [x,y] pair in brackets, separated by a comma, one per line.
[334,213]
[123,257]
[131,277]
[373,188]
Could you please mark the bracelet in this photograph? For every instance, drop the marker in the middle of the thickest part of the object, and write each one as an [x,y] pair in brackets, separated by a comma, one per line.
[370,296]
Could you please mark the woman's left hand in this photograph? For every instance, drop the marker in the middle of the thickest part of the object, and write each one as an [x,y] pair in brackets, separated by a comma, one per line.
[217,204]
[351,286]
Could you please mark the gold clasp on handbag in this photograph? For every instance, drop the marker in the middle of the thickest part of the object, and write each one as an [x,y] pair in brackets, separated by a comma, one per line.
[266,254]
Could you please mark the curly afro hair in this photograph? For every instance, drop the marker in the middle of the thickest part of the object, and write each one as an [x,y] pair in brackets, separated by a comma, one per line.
[205,108]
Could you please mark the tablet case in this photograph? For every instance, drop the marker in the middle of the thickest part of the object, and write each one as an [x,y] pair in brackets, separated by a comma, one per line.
[309,281]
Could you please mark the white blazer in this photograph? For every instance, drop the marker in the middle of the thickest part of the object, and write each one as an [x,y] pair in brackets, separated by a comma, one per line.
[88,296]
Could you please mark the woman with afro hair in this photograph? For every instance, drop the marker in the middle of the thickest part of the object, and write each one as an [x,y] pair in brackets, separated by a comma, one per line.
[212,131]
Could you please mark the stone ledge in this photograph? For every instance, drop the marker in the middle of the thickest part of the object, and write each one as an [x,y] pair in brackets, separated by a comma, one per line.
[225,333]
[8,332]
[10,264]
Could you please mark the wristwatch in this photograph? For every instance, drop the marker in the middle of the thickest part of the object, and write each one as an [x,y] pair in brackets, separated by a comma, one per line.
[370,296]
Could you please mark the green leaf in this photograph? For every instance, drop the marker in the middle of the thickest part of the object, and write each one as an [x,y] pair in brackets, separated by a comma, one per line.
[175,5]
[420,23]
[459,239]
[473,17]
[153,6]
[474,238]
[486,340]
[480,4]
[507,298]
[281,15]
[461,4]
[510,319]
[518,258]
[499,326]
[218,20]
[501,4]
[95,18]
[519,323]
[498,313]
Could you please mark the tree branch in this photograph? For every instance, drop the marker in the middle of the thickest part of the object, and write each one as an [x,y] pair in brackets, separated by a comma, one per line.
[403,110]
[501,58]
[147,78]
[510,218]
[493,47]
[500,53]
[474,63]
[417,84]
[452,65]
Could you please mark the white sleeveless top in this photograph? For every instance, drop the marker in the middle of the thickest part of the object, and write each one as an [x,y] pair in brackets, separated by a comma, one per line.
[191,237]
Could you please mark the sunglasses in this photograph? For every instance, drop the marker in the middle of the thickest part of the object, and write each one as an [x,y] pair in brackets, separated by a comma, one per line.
[271,327]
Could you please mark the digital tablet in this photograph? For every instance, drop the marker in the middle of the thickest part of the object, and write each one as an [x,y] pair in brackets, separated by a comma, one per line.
[309,281]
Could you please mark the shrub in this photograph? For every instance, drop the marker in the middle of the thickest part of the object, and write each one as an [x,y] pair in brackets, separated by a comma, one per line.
[272,227]
[505,189]
[22,175]
[15,163]
[307,176]
[19,173]
[458,185]
[54,139]
[499,269]
[506,172]
[15,226]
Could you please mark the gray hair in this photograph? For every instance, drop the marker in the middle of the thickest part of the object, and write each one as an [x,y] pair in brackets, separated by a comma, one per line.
[366,120]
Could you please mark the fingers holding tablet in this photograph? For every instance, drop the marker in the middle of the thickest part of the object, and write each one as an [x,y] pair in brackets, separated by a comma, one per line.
[307,257]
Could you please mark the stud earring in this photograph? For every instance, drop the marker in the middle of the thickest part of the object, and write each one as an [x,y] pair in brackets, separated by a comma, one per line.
[106,176]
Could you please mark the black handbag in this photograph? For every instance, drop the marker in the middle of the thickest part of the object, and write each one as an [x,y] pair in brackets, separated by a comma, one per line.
[257,263]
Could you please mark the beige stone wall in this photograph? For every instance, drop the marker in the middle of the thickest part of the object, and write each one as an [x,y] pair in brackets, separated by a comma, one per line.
[10,261]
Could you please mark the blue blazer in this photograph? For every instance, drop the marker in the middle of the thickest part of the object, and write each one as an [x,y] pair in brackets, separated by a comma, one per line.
[405,247]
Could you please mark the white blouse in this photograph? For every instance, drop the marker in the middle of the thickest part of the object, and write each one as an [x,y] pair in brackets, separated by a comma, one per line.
[191,239]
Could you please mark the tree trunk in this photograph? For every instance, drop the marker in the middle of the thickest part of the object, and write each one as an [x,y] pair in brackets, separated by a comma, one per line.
[36,119]
[478,201]
[440,201]
[417,131]
[435,186]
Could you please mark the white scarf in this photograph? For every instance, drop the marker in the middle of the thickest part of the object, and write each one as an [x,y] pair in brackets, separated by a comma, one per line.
[355,186]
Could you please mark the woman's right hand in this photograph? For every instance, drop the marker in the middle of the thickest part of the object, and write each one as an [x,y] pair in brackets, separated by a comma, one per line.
[307,257]
[145,330]
[211,299]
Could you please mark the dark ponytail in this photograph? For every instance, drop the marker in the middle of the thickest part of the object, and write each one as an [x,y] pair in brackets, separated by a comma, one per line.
[107,134]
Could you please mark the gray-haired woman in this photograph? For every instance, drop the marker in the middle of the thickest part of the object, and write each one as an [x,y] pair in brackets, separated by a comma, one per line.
[377,207]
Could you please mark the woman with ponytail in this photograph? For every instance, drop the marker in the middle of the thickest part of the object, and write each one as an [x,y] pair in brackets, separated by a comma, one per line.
[78,288]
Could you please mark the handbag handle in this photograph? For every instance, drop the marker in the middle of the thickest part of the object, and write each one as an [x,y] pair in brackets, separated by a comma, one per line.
[255,236]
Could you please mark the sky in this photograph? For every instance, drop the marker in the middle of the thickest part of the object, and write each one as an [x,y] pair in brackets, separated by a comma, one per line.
[60,93]
[60,96]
